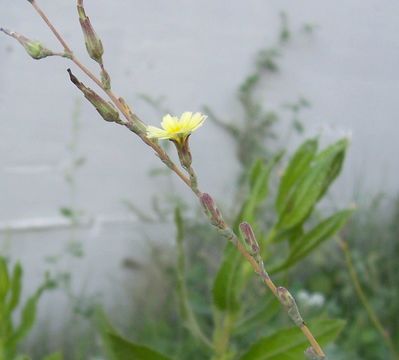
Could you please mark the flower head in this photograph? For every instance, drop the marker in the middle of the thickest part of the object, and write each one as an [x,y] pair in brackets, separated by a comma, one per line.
[177,129]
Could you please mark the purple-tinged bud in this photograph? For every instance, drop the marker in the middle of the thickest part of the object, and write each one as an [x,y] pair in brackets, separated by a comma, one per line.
[249,237]
[288,301]
[212,211]
[34,48]
[311,354]
[105,109]
[105,79]
[94,45]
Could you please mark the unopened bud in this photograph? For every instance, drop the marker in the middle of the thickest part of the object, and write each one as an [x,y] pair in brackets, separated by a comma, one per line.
[184,152]
[105,109]
[105,79]
[94,45]
[34,48]
[249,237]
[311,354]
[288,301]
[212,211]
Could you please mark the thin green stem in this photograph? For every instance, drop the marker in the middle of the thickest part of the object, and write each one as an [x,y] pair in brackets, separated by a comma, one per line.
[363,298]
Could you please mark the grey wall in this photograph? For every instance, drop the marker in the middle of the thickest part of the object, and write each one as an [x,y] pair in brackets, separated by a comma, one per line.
[194,53]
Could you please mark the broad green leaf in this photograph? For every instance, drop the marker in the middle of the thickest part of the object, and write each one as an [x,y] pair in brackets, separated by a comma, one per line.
[15,292]
[229,279]
[296,168]
[4,279]
[27,320]
[258,317]
[226,283]
[309,241]
[312,186]
[291,343]
[336,151]
[55,356]
[123,349]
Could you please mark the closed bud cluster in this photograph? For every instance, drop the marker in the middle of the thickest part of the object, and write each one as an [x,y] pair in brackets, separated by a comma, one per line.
[311,354]
[34,48]
[94,45]
[288,301]
[212,211]
[105,109]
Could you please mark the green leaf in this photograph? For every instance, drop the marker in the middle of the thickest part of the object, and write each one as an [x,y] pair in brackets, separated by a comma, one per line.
[28,318]
[257,319]
[309,241]
[290,344]
[336,152]
[4,279]
[229,279]
[15,288]
[126,350]
[297,167]
[226,283]
[312,186]
[259,188]
[55,356]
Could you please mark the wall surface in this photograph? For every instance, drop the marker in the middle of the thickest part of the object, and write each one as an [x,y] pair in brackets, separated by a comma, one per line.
[193,53]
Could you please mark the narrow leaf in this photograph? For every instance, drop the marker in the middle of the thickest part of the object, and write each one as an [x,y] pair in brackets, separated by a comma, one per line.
[126,350]
[309,241]
[290,344]
[296,168]
[15,292]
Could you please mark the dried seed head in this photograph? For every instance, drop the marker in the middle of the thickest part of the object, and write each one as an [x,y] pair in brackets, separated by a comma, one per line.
[94,45]
[288,301]
[35,49]
[105,109]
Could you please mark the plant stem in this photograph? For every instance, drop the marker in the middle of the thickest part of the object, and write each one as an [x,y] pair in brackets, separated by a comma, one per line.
[363,298]
[131,119]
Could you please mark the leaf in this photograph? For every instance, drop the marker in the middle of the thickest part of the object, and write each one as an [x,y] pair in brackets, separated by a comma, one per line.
[28,318]
[258,317]
[126,350]
[55,356]
[297,166]
[291,343]
[312,186]
[337,152]
[309,241]
[226,283]
[15,292]
[4,279]
[229,278]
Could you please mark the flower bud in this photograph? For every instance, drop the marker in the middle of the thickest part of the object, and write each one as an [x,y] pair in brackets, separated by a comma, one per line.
[212,211]
[288,301]
[34,48]
[311,354]
[249,237]
[105,79]
[105,109]
[94,45]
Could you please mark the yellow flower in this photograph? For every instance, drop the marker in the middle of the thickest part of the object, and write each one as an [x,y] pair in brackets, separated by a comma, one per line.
[177,129]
